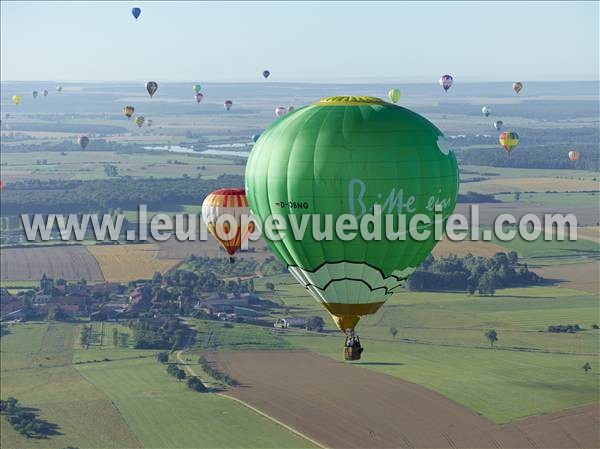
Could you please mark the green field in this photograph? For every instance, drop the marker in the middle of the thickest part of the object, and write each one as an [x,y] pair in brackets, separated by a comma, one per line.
[88,165]
[112,397]
[218,336]
[441,345]
[550,200]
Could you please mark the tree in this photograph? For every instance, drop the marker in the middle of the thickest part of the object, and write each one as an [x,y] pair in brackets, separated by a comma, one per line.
[115,336]
[393,331]
[157,278]
[162,357]
[595,326]
[315,323]
[270,286]
[586,367]
[517,196]
[180,374]
[124,340]
[492,337]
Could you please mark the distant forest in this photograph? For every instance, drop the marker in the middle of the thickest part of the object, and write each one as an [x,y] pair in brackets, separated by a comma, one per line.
[538,148]
[66,197]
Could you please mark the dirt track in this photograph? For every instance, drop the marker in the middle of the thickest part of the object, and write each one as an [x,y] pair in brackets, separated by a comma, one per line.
[343,406]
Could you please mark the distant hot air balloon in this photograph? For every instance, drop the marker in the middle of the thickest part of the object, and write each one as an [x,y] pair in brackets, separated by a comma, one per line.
[508,140]
[446,81]
[197,87]
[228,104]
[16,99]
[35,94]
[84,141]
[574,155]
[128,111]
[266,73]
[394,95]
[498,124]
[517,86]
[231,202]
[136,12]
[486,111]
[255,137]
[151,87]
[139,121]
[291,108]
[321,160]
[149,122]
[280,110]
[45,92]
[199,96]
[59,88]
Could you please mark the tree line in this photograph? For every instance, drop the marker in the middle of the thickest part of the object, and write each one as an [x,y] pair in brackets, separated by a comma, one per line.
[472,274]
[68,196]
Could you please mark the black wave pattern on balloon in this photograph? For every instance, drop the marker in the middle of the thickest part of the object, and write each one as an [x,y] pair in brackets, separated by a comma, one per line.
[387,291]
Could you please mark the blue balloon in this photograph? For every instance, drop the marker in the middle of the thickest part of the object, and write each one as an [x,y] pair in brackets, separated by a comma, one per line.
[136,12]
[255,137]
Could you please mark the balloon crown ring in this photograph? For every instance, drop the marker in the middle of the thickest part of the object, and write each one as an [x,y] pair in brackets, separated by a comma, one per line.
[350,100]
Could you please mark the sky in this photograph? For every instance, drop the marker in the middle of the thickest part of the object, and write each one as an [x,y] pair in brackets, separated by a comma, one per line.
[299,41]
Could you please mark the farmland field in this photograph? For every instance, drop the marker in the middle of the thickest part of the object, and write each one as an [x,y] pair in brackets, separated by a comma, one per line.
[124,263]
[112,397]
[68,262]
[305,390]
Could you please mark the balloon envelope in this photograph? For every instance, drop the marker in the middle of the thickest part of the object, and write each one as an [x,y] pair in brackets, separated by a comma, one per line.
[35,94]
[199,97]
[574,155]
[228,104]
[343,156]
[509,140]
[45,92]
[394,95]
[84,141]
[266,73]
[486,111]
[136,12]
[197,88]
[255,137]
[280,110]
[446,81]
[517,86]
[139,121]
[498,124]
[16,99]
[59,88]
[232,202]
[151,87]
[128,111]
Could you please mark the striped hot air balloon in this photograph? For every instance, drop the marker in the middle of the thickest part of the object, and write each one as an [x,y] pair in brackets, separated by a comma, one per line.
[139,121]
[509,140]
[232,202]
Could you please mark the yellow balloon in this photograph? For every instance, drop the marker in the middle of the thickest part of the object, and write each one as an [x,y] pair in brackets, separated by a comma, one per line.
[16,99]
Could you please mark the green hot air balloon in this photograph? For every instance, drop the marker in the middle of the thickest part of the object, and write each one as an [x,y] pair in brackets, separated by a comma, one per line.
[197,88]
[394,95]
[345,156]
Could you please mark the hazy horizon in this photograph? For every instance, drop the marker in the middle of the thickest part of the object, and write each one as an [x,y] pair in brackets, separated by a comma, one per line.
[329,42]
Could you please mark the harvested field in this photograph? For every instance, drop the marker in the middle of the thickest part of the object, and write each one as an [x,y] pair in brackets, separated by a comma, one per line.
[174,249]
[541,184]
[589,233]
[71,262]
[484,249]
[581,276]
[344,406]
[586,216]
[124,263]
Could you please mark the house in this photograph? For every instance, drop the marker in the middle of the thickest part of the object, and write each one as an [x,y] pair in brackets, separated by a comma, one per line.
[284,323]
